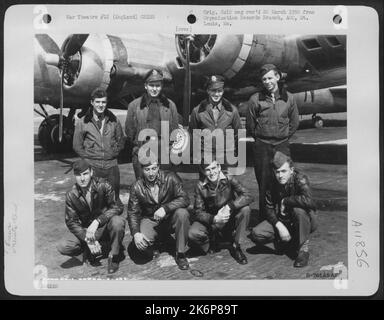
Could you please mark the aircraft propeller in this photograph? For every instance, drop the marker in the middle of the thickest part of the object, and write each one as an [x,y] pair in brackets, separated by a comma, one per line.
[192,48]
[70,46]
[61,59]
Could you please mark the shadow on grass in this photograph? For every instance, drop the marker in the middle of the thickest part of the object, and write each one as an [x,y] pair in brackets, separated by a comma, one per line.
[71,263]
[260,250]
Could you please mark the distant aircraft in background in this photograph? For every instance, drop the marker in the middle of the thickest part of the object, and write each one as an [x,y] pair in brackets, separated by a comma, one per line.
[314,68]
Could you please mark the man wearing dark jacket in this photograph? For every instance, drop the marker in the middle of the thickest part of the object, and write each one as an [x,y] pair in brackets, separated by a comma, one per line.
[216,114]
[91,215]
[148,112]
[290,211]
[221,209]
[272,119]
[99,138]
[157,206]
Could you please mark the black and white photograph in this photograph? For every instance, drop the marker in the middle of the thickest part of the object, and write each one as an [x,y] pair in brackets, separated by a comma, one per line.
[191,155]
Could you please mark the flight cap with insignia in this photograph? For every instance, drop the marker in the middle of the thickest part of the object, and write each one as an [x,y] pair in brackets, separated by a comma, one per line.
[215,82]
[268,67]
[279,159]
[80,166]
[147,158]
[154,75]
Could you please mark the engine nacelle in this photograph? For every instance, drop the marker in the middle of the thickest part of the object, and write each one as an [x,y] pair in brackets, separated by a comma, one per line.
[88,69]
[91,70]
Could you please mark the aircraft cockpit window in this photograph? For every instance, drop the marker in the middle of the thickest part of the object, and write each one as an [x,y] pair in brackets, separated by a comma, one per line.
[311,44]
[333,41]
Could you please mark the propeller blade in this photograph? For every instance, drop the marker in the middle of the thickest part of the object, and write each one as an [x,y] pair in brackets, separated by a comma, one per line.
[202,55]
[73,44]
[48,44]
[61,106]
[187,82]
[52,52]
[70,46]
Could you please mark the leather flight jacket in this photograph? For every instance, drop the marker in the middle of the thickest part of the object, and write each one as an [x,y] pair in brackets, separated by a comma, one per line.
[211,197]
[141,203]
[79,215]
[296,194]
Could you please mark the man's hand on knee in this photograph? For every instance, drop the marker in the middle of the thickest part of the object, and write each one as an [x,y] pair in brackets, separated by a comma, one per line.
[91,230]
[222,217]
[283,232]
[159,214]
[141,241]
[94,247]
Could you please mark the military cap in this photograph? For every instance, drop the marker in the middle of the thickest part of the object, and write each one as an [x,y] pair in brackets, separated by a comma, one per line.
[279,159]
[154,75]
[268,67]
[80,166]
[215,82]
[147,158]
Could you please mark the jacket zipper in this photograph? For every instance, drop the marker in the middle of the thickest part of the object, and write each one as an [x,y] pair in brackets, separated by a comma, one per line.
[102,140]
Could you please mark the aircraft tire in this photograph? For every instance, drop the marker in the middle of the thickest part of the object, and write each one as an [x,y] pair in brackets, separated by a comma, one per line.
[318,122]
[48,134]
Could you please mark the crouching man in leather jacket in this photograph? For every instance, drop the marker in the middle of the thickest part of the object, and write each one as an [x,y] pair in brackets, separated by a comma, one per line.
[158,205]
[92,215]
[221,211]
[290,211]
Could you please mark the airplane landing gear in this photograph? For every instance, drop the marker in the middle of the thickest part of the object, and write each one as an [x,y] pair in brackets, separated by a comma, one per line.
[317,121]
[48,133]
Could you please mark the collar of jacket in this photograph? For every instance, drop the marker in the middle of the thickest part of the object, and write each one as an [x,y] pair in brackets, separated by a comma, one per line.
[221,177]
[282,94]
[225,103]
[291,180]
[145,99]
[160,179]
[109,116]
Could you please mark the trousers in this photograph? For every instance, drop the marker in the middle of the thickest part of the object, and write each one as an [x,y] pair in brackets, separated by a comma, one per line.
[300,225]
[113,232]
[263,154]
[234,230]
[177,223]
